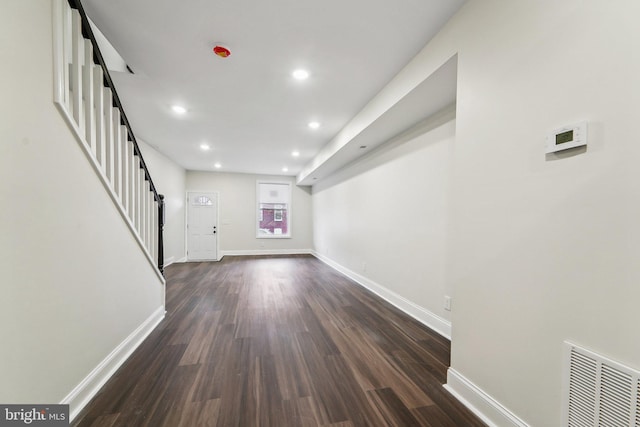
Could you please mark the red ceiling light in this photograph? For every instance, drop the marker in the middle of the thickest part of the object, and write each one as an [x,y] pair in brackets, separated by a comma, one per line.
[221,51]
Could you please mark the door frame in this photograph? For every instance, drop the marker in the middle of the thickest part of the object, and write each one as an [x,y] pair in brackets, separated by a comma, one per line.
[186,224]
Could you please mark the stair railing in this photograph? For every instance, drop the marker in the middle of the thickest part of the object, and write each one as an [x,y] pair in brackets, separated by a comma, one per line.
[87,98]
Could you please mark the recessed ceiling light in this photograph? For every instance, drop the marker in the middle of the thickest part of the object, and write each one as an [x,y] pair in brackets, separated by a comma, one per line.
[178,109]
[205,147]
[217,165]
[295,153]
[285,169]
[314,125]
[300,74]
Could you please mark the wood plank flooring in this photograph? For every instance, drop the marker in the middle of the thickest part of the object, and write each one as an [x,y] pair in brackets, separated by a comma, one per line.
[279,341]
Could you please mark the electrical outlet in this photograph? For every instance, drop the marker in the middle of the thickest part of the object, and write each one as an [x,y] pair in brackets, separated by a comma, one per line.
[447,303]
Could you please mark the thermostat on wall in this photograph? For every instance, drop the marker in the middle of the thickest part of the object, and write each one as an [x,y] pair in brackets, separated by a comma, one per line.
[567,137]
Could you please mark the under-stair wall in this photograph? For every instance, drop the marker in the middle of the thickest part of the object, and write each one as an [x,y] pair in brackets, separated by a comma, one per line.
[80,287]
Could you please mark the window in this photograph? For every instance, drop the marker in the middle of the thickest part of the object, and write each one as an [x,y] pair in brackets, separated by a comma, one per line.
[273,209]
[202,201]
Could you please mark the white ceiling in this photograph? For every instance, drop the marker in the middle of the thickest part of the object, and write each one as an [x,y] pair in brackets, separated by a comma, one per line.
[433,95]
[247,107]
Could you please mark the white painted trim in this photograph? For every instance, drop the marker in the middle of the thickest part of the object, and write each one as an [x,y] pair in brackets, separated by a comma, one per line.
[90,386]
[169,261]
[480,403]
[245,252]
[421,314]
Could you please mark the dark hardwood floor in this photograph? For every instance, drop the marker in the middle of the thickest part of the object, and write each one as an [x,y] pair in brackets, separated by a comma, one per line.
[279,341]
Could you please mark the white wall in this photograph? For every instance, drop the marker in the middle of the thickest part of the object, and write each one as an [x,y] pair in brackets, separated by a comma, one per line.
[551,244]
[384,218]
[540,249]
[75,283]
[169,179]
[237,221]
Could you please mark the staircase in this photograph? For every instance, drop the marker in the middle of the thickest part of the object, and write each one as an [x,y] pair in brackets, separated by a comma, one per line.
[86,97]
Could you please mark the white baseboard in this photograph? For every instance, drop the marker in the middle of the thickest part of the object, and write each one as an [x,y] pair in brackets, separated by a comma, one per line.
[89,387]
[480,403]
[168,261]
[421,314]
[241,252]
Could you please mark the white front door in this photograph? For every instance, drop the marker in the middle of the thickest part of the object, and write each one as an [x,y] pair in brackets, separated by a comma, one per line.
[202,226]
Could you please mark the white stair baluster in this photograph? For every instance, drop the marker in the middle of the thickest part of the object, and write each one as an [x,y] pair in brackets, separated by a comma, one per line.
[124,169]
[77,44]
[117,155]
[108,136]
[151,221]
[126,177]
[133,173]
[139,203]
[148,213]
[98,90]
[87,91]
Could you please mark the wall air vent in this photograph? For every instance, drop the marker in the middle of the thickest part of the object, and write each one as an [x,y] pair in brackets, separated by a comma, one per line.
[599,391]
[638,405]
